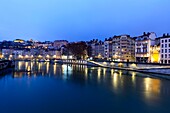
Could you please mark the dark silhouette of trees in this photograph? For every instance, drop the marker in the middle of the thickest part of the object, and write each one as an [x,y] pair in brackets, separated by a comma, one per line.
[89,50]
[78,49]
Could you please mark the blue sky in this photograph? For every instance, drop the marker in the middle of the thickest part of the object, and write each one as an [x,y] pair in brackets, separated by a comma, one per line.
[76,20]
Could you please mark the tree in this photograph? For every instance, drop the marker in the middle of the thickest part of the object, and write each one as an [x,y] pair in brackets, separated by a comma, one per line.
[78,49]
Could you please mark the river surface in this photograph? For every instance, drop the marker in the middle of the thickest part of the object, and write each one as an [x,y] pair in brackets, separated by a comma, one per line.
[55,88]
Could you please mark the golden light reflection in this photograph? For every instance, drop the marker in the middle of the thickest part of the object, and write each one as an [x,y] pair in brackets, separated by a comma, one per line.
[47,67]
[39,67]
[120,73]
[133,77]
[86,72]
[66,69]
[26,65]
[19,65]
[29,68]
[55,68]
[104,71]
[112,71]
[115,80]
[152,86]
[98,73]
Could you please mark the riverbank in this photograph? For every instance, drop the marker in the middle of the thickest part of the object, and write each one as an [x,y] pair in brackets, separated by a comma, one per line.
[158,70]
[161,71]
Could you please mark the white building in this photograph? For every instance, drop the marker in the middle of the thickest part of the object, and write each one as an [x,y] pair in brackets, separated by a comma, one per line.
[165,49]
[143,46]
[108,48]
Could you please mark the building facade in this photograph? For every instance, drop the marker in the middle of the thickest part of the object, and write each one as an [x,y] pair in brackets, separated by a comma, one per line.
[59,43]
[123,48]
[143,47]
[165,49]
[108,47]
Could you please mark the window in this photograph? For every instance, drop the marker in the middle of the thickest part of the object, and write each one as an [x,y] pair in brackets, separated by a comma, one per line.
[165,45]
[168,61]
[162,46]
[165,61]
[169,55]
[169,40]
[162,41]
[165,40]
[165,55]
[162,56]
[162,51]
[169,45]
[138,50]
[162,61]
[165,50]
[169,50]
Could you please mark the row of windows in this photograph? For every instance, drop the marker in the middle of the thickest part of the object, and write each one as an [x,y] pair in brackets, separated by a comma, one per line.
[165,45]
[166,50]
[165,61]
[165,56]
[166,40]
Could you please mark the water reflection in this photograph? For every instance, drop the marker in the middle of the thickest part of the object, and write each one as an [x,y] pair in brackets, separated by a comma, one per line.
[151,85]
[118,82]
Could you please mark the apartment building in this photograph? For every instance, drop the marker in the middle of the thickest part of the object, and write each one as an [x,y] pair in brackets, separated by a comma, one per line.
[123,48]
[97,48]
[165,49]
[59,43]
[143,47]
[108,47]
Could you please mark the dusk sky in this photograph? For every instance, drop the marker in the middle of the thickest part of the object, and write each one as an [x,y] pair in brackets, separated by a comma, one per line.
[76,20]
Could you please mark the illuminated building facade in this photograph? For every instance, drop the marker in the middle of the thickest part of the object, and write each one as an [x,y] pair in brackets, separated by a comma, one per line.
[143,47]
[123,48]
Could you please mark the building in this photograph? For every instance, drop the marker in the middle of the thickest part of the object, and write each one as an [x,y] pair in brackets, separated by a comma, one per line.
[19,41]
[165,49]
[99,49]
[123,48]
[96,48]
[108,48]
[59,43]
[144,47]
[45,44]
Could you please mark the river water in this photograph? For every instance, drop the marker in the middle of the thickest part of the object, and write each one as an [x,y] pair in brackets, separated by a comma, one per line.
[55,88]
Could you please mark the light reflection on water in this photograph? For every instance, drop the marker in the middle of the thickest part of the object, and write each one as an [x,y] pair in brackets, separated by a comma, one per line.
[119,86]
